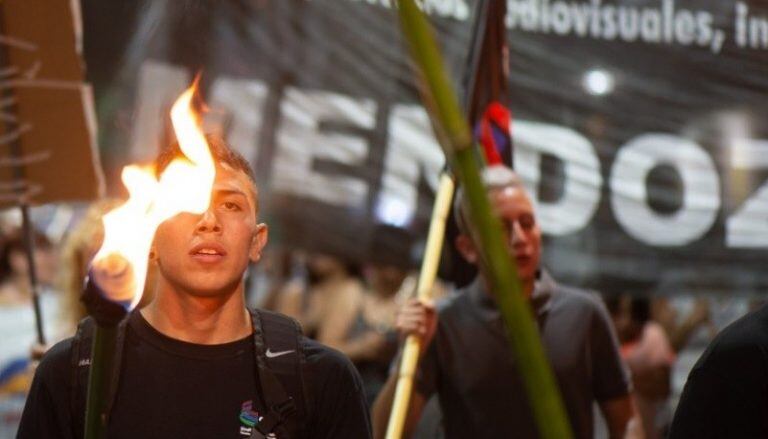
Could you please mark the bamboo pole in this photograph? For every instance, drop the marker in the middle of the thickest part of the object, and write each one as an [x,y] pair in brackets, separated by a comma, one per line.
[410,357]
[100,286]
[101,369]
[496,264]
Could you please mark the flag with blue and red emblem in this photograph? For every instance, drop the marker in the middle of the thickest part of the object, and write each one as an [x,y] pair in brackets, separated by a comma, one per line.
[487,82]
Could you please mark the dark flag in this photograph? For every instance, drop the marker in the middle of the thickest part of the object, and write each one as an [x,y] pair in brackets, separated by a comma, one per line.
[487,82]
[486,89]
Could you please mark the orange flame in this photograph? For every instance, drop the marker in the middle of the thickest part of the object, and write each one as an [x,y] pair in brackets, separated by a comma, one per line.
[120,266]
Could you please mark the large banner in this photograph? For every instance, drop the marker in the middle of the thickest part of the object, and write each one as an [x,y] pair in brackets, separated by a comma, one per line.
[638,124]
[47,125]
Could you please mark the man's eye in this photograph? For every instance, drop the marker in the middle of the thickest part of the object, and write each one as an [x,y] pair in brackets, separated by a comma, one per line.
[228,205]
[527,222]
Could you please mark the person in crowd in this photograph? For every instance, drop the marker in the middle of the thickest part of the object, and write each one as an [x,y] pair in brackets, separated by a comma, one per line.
[680,329]
[327,306]
[467,359]
[390,279]
[266,280]
[372,335]
[647,352]
[195,362]
[16,312]
[15,285]
[725,395]
[17,318]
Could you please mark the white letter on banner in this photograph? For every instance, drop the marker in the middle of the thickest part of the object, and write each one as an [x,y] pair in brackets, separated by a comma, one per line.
[159,86]
[300,142]
[701,190]
[412,151]
[235,113]
[581,191]
[748,227]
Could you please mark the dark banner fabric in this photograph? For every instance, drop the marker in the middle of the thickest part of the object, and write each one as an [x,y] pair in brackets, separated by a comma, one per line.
[638,125]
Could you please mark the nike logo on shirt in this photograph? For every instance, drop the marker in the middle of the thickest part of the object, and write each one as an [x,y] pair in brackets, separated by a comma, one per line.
[271,354]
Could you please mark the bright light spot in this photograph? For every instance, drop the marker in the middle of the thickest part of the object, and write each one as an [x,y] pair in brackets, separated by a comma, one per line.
[393,212]
[598,82]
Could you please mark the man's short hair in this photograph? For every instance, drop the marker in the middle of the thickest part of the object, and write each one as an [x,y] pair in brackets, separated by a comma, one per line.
[493,177]
[222,154]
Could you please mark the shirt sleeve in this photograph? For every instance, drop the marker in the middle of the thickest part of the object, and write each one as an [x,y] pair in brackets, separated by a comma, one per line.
[427,373]
[611,378]
[47,409]
[340,409]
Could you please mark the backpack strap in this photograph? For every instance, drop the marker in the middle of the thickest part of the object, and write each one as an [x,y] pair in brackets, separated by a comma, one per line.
[290,369]
[279,363]
[80,362]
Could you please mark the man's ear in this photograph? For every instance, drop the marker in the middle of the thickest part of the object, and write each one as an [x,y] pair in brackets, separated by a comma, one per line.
[466,247]
[258,241]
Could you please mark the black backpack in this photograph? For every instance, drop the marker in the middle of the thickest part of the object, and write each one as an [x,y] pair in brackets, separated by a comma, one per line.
[280,379]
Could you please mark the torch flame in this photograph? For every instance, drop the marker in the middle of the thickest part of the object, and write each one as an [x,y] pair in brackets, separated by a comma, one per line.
[120,266]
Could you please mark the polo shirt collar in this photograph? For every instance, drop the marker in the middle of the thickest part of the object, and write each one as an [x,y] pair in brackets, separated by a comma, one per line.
[541,299]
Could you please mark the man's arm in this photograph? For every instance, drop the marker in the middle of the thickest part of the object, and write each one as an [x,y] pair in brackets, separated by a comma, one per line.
[611,382]
[47,412]
[334,326]
[418,319]
[382,408]
[619,417]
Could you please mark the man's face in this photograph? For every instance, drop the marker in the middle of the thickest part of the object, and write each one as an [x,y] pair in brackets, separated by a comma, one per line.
[385,278]
[206,255]
[521,231]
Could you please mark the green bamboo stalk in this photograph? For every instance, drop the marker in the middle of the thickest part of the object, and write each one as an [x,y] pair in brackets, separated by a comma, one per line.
[498,267]
[102,356]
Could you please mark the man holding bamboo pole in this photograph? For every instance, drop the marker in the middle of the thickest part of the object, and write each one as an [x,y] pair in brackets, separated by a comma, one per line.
[195,362]
[466,358]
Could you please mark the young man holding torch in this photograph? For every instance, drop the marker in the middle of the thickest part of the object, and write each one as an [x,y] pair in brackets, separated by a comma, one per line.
[466,357]
[191,364]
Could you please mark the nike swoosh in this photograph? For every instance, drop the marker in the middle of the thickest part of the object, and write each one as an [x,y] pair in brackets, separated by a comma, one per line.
[271,354]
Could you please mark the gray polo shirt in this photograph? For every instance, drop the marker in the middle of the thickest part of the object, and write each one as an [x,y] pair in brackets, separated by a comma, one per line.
[470,364]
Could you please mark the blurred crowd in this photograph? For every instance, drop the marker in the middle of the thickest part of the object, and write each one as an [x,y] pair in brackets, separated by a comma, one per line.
[345,304]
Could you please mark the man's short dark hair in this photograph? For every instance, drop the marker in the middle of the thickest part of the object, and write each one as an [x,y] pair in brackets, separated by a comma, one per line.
[222,154]
[493,177]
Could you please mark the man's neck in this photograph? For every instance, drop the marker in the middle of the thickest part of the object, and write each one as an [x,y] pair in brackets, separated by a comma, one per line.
[200,320]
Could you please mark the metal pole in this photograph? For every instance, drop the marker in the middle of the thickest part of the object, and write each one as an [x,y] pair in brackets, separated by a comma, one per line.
[29,241]
[19,174]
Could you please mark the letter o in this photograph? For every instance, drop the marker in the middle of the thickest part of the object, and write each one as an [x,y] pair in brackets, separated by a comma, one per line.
[701,190]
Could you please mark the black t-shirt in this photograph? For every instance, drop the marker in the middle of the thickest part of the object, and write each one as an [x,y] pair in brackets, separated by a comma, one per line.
[170,388]
[726,395]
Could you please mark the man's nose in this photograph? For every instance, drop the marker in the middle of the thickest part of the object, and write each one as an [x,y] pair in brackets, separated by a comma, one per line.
[516,234]
[208,222]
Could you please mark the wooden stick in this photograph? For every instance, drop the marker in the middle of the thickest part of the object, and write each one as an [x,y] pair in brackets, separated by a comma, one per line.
[424,289]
